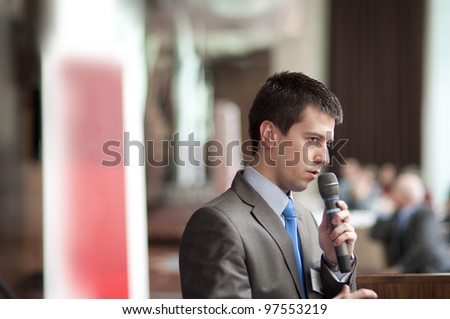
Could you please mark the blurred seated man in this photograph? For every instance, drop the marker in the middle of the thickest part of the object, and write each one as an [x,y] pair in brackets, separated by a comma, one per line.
[412,236]
[386,177]
[365,189]
[446,220]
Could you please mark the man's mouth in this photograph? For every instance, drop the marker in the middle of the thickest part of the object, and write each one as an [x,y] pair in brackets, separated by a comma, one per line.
[314,172]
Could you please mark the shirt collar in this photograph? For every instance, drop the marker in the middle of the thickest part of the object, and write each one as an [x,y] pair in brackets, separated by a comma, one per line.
[271,193]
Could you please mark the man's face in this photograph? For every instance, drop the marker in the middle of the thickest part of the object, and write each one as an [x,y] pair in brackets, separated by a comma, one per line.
[300,154]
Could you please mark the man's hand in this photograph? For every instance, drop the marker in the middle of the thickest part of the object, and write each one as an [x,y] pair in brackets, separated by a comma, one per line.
[358,294]
[344,232]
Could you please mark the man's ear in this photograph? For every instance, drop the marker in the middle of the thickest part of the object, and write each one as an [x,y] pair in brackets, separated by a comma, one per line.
[268,134]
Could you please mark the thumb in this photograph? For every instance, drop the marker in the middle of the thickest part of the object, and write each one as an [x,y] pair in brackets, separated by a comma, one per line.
[345,293]
[358,294]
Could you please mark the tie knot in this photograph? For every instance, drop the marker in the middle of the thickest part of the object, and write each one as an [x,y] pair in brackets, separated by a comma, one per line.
[289,211]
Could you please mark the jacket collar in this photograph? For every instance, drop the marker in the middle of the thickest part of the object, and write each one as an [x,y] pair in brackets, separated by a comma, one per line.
[265,216]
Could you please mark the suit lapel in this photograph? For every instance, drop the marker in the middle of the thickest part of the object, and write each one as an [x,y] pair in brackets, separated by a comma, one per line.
[304,229]
[266,217]
[271,223]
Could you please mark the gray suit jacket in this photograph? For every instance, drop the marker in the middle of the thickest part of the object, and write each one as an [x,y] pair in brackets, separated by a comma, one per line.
[421,248]
[236,247]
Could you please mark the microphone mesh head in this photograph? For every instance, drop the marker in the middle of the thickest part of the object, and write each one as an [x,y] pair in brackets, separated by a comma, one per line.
[328,185]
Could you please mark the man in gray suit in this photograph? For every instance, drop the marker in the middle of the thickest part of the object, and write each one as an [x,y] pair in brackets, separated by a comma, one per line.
[412,235]
[236,246]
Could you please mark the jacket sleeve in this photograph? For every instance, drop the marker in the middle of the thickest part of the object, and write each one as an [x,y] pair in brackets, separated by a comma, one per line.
[212,258]
[331,285]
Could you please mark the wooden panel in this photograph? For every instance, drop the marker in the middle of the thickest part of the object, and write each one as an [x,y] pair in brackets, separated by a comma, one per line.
[408,286]
[376,55]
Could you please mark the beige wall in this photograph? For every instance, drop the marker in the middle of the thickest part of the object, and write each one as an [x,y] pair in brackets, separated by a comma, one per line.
[306,52]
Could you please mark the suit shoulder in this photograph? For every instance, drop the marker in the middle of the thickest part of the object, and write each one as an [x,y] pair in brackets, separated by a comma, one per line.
[227,206]
[423,213]
[228,203]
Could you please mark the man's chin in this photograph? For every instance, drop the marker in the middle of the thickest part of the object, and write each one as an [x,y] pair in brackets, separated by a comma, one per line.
[300,188]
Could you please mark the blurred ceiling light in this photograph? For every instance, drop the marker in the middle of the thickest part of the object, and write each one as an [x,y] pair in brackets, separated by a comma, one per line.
[232,27]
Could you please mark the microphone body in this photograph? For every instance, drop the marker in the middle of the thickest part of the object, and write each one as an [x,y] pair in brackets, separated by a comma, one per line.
[329,190]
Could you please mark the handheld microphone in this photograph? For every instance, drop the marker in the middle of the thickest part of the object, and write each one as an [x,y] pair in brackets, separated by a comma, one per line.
[329,190]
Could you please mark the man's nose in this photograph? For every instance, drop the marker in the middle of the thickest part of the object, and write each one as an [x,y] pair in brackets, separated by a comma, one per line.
[321,155]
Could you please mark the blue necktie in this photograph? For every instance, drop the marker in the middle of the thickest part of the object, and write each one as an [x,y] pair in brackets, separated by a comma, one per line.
[290,219]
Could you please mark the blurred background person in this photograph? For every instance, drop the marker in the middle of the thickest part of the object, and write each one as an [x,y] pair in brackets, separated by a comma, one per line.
[386,177]
[416,170]
[348,174]
[412,236]
[365,189]
[358,185]
[446,220]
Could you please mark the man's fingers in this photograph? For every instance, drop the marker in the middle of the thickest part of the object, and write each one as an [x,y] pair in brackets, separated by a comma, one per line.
[364,294]
[342,205]
[344,294]
[358,294]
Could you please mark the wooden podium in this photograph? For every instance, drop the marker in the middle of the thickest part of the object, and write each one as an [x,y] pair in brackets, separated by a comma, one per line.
[407,286]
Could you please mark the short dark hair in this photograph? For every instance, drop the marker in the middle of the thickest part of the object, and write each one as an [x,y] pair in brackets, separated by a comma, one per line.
[283,98]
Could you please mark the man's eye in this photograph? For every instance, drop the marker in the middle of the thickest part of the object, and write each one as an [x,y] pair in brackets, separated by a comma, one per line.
[314,139]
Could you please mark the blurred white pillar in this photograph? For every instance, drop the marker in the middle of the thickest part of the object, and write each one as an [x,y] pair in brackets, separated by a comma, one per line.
[192,103]
[436,102]
[227,139]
